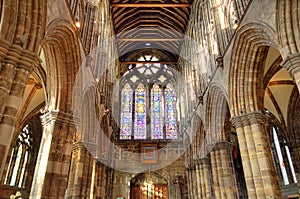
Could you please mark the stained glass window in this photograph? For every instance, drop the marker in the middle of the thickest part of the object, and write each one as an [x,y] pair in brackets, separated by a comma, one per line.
[126,112]
[156,113]
[148,102]
[171,121]
[140,113]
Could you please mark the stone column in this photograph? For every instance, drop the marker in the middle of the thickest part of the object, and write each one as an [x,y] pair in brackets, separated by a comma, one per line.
[292,64]
[16,64]
[203,178]
[53,162]
[88,177]
[222,170]
[192,186]
[189,184]
[259,170]
[199,183]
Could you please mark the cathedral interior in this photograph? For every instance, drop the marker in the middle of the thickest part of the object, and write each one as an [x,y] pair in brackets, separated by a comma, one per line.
[149,99]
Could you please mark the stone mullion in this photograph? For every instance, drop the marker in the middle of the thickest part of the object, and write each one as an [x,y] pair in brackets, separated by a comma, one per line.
[20,165]
[248,173]
[198,175]
[265,161]
[12,165]
[286,162]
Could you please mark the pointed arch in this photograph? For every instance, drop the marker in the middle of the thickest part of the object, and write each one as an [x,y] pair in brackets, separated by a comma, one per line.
[288,26]
[216,115]
[23,23]
[63,59]
[250,46]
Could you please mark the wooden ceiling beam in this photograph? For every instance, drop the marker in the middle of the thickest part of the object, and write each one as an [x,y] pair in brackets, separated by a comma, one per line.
[149,39]
[148,62]
[150,5]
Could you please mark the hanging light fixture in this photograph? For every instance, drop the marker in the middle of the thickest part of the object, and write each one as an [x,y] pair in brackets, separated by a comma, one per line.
[77,23]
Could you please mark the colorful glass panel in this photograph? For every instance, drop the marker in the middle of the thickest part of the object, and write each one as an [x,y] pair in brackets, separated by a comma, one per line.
[156,113]
[126,113]
[171,123]
[140,113]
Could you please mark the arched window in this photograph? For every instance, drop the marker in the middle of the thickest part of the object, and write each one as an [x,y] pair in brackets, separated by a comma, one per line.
[282,157]
[19,159]
[149,107]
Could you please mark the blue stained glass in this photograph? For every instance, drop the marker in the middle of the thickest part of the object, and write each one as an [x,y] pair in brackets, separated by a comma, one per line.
[140,113]
[126,113]
[156,113]
[171,123]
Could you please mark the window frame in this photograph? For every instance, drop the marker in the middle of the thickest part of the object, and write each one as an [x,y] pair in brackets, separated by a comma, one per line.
[162,77]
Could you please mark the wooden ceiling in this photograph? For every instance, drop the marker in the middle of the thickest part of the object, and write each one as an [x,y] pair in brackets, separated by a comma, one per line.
[150,24]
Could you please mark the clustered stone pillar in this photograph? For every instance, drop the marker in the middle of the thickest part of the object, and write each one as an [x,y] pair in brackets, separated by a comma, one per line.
[259,170]
[204,178]
[14,74]
[88,177]
[190,180]
[222,170]
[53,163]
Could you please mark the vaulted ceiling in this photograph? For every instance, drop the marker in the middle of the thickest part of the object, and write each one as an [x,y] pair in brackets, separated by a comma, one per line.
[150,24]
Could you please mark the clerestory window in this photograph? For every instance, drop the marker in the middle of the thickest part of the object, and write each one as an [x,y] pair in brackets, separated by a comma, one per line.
[149,107]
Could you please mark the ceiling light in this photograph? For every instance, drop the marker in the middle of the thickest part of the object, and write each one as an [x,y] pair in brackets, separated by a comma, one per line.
[77,24]
[148,44]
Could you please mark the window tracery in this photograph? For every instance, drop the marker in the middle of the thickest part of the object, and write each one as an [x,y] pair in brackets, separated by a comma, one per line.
[19,158]
[148,102]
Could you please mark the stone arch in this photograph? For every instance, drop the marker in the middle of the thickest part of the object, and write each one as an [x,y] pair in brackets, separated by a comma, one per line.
[23,23]
[63,59]
[293,122]
[288,26]
[216,111]
[250,47]
[198,142]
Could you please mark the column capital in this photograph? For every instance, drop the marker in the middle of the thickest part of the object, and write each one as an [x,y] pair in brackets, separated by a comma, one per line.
[248,119]
[18,56]
[291,63]
[59,117]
